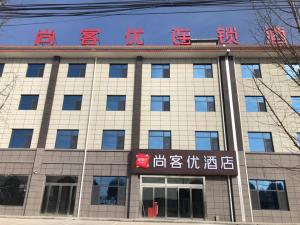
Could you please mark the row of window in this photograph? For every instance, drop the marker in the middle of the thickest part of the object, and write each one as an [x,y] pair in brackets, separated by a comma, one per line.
[111,190]
[158,103]
[160,139]
[157,70]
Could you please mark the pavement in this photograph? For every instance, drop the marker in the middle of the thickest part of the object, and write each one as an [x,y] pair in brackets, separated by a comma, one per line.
[95,221]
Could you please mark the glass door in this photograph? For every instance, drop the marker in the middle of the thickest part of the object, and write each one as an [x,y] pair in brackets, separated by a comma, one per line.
[177,199]
[59,199]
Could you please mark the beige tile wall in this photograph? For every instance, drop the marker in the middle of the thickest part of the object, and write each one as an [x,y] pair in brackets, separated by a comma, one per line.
[182,120]
[10,117]
[100,118]
[274,76]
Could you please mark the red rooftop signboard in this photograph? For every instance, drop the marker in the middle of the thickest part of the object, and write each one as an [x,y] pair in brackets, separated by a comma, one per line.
[183,162]
[180,36]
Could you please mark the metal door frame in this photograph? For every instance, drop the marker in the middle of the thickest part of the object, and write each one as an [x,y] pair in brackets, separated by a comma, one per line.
[176,186]
[50,185]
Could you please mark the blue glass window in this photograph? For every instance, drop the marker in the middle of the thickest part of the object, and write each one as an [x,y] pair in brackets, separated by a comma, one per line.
[268,194]
[160,70]
[76,70]
[35,70]
[159,140]
[28,102]
[113,139]
[160,103]
[21,138]
[205,103]
[292,71]
[296,103]
[298,139]
[116,103]
[251,70]
[1,69]
[118,70]
[255,104]
[203,71]
[207,140]
[109,191]
[72,102]
[66,139]
[260,142]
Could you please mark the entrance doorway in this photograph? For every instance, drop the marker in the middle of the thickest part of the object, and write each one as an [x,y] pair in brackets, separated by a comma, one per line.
[180,197]
[59,195]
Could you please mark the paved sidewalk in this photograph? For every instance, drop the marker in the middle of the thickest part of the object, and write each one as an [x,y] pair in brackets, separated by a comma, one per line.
[88,221]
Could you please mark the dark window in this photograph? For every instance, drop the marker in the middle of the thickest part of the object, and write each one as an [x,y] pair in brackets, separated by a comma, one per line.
[268,194]
[109,191]
[35,70]
[203,71]
[292,71]
[1,69]
[160,70]
[21,138]
[255,104]
[205,103]
[296,103]
[113,139]
[251,70]
[159,139]
[298,138]
[160,103]
[207,140]
[66,139]
[118,70]
[28,102]
[260,142]
[13,190]
[76,70]
[116,103]
[72,102]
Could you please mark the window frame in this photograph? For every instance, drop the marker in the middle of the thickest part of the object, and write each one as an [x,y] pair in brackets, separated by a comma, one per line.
[295,99]
[208,107]
[34,102]
[211,141]
[165,72]
[196,76]
[69,136]
[80,73]
[122,75]
[117,146]
[2,66]
[41,70]
[96,187]
[121,103]
[256,194]
[165,139]
[244,76]
[257,103]
[165,105]
[27,143]
[65,106]
[264,142]
[287,69]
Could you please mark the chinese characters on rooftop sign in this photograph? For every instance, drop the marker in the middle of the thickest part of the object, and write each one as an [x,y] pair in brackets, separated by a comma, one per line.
[175,162]
[180,36]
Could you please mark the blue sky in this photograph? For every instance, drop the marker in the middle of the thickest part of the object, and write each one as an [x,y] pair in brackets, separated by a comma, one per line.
[157,28]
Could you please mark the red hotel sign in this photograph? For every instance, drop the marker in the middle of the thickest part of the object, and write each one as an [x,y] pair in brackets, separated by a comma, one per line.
[183,162]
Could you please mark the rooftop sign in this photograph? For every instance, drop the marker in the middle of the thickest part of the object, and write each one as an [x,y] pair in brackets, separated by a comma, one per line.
[180,36]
